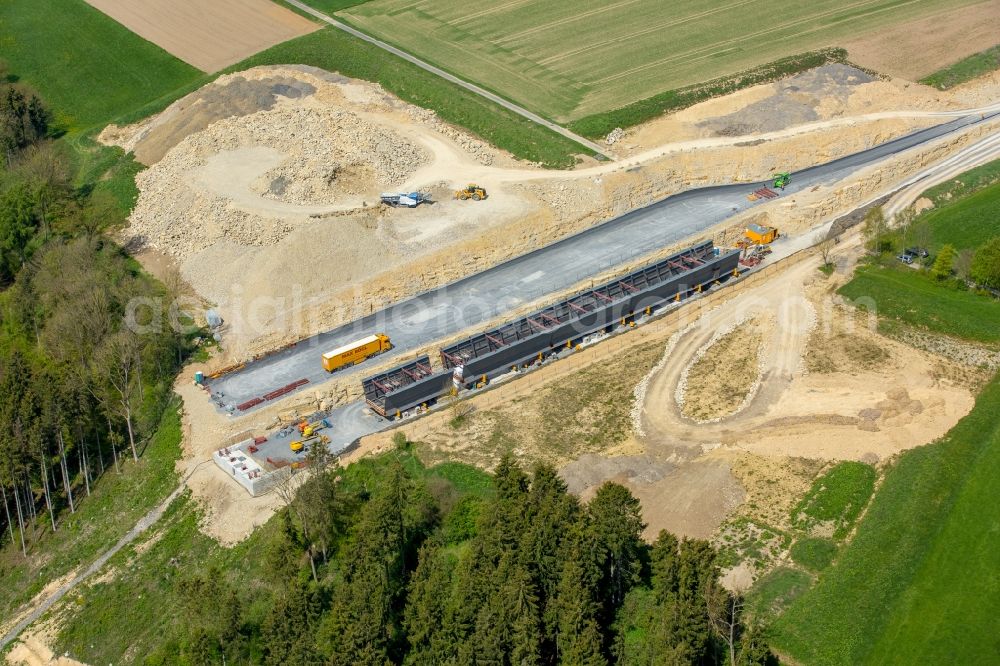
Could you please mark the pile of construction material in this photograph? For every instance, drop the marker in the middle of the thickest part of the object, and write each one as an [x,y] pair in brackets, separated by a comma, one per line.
[306,156]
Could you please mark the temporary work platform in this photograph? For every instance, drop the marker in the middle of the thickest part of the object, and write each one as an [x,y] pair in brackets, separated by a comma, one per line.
[532,338]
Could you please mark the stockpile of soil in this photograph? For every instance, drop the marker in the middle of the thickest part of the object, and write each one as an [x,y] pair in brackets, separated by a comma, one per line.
[296,155]
[230,96]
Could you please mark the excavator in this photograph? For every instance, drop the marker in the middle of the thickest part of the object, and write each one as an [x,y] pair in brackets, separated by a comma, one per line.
[471,191]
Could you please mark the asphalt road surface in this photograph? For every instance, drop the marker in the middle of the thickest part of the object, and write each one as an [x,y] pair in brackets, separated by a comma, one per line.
[473,300]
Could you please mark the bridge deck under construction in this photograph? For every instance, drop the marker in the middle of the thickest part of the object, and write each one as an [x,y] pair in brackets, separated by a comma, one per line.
[500,349]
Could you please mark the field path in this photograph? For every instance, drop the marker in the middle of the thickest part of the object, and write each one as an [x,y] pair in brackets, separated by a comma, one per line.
[496,99]
[979,153]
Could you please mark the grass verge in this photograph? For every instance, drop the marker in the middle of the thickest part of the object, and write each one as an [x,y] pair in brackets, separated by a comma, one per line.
[919,582]
[964,70]
[836,499]
[967,222]
[965,183]
[331,6]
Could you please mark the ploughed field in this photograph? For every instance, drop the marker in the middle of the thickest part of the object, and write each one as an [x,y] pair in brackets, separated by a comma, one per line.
[568,60]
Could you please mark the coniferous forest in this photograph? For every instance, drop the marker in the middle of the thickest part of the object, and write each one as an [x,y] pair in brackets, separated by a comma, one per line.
[415,572]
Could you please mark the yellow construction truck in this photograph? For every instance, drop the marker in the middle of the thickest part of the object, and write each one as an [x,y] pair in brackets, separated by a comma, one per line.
[355,352]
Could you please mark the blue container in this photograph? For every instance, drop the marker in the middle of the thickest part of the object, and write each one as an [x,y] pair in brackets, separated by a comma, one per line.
[199,377]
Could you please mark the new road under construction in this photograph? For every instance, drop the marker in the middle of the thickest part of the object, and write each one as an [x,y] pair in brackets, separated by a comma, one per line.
[437,315]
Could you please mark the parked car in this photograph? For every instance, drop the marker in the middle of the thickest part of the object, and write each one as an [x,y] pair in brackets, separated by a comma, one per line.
[917,252]
[906,258]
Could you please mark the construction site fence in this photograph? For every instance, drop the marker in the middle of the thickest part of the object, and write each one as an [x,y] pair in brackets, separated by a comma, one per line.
[521,385]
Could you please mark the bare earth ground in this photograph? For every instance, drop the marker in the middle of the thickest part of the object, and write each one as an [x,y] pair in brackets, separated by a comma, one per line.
[209,35]
[917,48]
[32,649]
[296,218]
[265,169]
[723,375]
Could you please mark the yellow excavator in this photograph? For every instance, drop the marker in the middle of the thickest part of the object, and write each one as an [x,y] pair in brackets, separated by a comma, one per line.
[471,191]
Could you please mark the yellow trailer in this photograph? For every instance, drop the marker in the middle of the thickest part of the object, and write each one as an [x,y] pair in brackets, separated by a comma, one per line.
[355,352]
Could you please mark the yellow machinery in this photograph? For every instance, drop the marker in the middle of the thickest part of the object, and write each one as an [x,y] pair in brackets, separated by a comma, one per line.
[298,445]
[310,429]
[356,351]
[471,191]
[758,235]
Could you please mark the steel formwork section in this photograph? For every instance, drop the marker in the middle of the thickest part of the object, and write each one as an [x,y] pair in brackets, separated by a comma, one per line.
[585,302]
[378,387]
[496,351]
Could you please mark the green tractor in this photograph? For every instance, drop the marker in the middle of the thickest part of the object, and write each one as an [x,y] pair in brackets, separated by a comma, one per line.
[781,180]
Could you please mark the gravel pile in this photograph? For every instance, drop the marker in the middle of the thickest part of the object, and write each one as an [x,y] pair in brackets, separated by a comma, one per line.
[333,153]
[328,153]
[479,150]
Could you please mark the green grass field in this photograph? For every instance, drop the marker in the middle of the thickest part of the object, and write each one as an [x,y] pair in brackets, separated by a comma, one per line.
[569,60]
[917,299]
[967,222]
[966,69]
[920,583]
[87,67]
[967,218]
[965,183]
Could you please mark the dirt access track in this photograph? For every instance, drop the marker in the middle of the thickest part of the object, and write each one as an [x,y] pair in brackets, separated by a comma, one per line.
[208,34]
